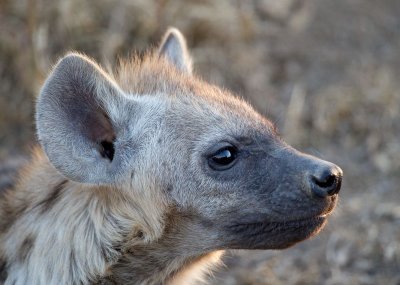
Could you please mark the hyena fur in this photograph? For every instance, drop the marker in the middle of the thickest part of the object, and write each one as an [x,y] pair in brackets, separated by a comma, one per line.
[147,175]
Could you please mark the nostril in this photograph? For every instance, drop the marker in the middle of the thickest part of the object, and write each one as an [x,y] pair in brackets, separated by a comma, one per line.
[325,182]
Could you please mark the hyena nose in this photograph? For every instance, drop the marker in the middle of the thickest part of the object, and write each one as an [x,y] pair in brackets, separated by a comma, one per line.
[326,181]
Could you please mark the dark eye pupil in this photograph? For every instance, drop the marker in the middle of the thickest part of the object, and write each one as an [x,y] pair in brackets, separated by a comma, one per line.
[224,156]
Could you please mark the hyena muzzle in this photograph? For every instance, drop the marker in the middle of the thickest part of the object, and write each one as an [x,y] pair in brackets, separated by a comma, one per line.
[144,176]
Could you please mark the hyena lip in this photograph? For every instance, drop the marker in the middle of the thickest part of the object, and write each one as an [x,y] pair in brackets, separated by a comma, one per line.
[274,235]
[257,219]
[278,224]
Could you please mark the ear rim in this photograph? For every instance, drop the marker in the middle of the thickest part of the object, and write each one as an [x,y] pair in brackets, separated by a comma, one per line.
[174,48]
[50,127]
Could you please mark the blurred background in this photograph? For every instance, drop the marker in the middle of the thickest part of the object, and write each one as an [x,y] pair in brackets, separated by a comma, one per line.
[327,72]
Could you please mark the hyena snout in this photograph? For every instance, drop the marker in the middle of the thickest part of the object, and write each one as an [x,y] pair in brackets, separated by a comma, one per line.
[320,178]
[325,180]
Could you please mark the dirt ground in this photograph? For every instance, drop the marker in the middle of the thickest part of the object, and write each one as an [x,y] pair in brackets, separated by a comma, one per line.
[327,72]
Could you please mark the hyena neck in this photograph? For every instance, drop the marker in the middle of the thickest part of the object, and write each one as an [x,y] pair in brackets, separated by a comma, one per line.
[174,259]
[56,231]
[156,265]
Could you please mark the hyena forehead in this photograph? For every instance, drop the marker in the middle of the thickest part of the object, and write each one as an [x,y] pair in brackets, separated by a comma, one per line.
[187,95]
[222,117]
[190,101]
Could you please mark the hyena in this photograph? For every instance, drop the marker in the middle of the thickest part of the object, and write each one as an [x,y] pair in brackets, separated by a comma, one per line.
[146,175]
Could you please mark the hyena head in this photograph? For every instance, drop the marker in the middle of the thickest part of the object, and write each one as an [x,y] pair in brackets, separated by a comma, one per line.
[217,169]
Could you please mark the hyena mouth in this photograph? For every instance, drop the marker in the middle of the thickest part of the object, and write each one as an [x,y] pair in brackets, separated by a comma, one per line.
[275,235]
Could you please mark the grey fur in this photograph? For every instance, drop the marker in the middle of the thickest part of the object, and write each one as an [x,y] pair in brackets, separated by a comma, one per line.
[73,117]
[150,206]
[173,47]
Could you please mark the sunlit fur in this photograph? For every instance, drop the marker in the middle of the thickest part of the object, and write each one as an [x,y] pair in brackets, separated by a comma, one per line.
[87,228]
[149,215]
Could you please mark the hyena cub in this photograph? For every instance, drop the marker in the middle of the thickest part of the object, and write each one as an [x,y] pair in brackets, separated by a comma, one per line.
[145,176]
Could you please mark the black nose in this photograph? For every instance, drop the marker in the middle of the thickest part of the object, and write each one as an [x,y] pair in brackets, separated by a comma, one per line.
[326,182]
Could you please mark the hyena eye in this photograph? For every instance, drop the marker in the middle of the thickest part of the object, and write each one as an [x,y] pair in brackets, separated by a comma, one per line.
[223,158]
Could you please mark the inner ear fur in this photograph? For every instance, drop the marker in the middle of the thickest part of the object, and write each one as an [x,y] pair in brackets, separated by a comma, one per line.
[74,122]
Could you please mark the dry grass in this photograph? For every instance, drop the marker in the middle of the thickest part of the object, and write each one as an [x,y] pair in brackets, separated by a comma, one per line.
[326,71]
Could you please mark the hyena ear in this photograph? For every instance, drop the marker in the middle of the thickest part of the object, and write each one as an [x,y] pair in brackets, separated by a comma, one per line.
[174,48]
[79,118]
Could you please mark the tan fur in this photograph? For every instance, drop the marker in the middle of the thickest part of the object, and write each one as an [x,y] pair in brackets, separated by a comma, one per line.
[123,191]
[21,210]
[141,212]
[195,271]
